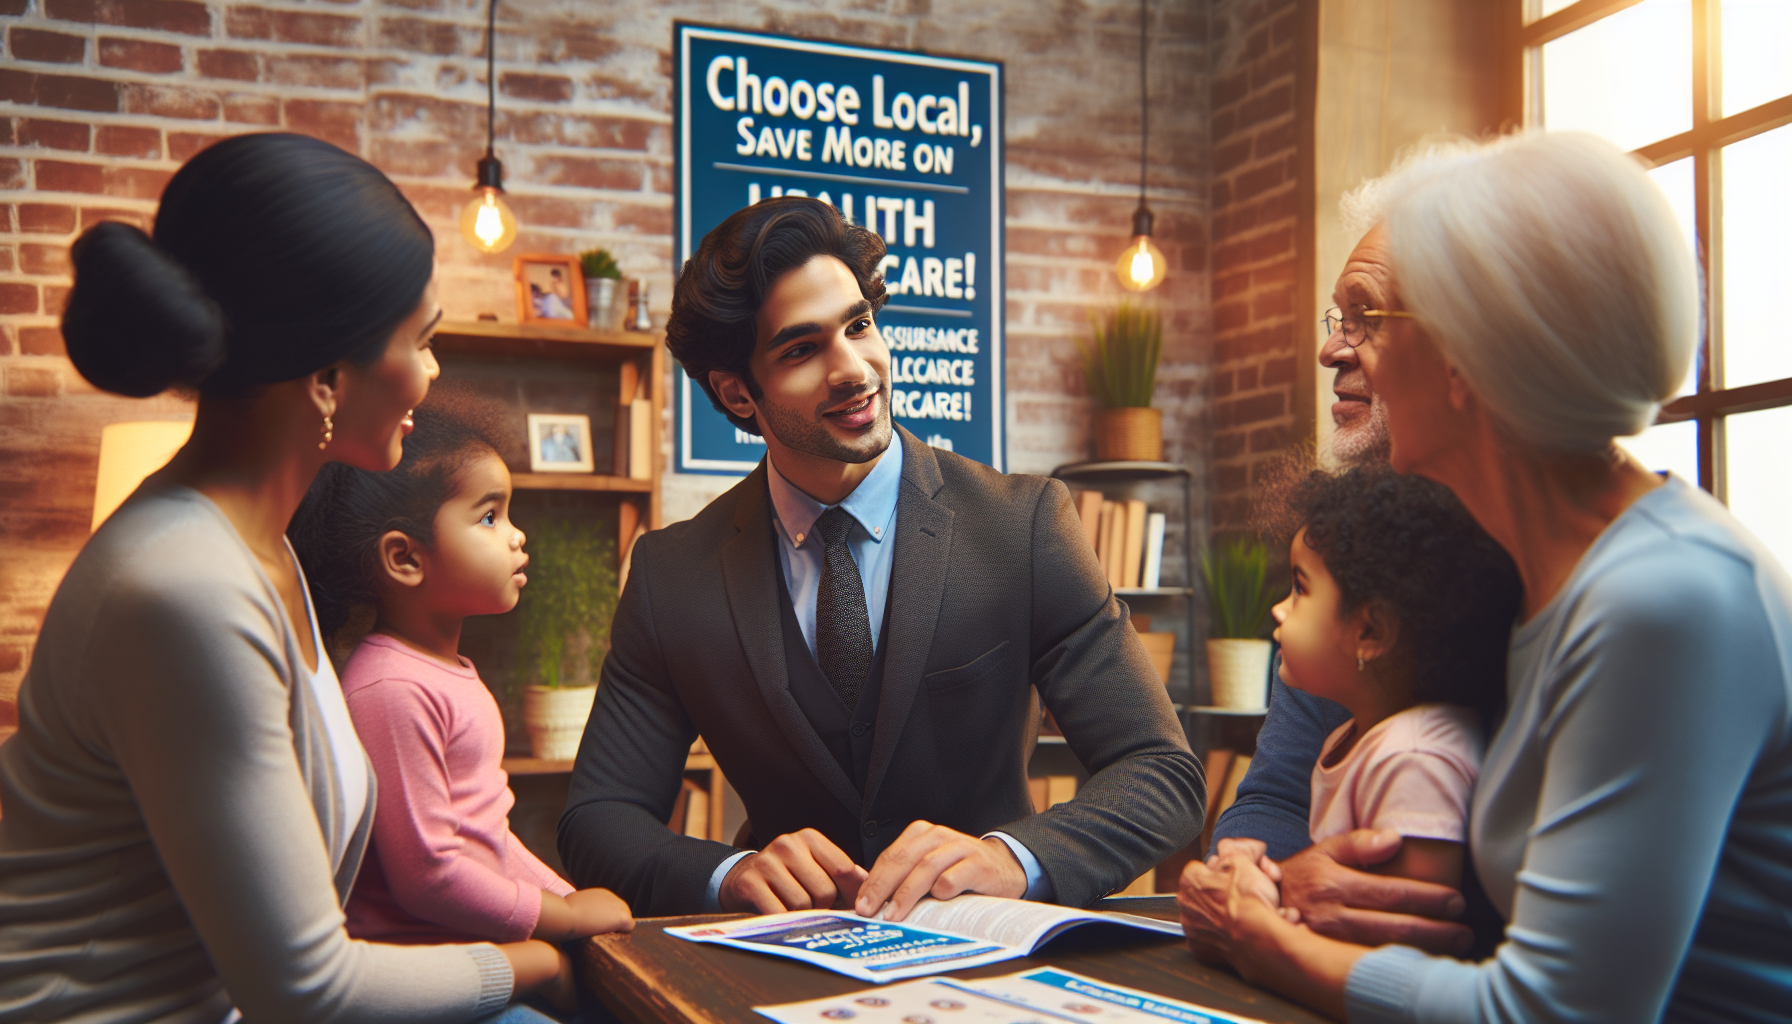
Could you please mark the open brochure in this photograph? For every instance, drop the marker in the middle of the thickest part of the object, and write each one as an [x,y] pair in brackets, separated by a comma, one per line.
[939,935]
[1046,995]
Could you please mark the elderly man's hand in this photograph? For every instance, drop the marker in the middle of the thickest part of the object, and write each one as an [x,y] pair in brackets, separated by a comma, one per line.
[1332,896]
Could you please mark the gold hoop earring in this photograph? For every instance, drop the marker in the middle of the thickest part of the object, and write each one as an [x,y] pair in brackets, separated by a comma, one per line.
[329,434]
[1359,663]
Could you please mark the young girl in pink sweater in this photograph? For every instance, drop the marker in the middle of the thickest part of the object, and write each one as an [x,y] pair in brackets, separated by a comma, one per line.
[426,546]
[1400,610]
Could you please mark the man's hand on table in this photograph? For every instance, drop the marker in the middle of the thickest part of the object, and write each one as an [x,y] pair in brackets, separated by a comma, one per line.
[1325,884]
[934,860]
[796,871]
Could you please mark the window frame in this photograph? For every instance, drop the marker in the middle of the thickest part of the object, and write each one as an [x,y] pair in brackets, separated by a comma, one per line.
[1704,143]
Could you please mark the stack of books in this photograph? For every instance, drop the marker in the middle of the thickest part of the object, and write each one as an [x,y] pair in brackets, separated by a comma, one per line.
[1128,539]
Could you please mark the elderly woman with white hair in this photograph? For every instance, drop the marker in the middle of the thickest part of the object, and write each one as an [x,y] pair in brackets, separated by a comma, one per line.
[1633,817]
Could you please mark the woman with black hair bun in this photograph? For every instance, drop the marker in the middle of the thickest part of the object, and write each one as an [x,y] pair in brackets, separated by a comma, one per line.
[187,804]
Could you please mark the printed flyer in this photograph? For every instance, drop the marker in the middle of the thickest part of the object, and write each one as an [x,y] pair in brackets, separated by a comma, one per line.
[859,947]
[939,935]
[1042,996]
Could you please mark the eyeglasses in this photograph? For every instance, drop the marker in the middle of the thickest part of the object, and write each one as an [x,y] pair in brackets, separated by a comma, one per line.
[1357,328]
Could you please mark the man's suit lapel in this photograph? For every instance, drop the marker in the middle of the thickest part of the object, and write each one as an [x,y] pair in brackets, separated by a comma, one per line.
[917,587]
[748,562]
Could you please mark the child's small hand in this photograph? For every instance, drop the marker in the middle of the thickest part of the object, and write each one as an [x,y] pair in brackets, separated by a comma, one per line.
[597,911]
[1256,851]
[1250,849]
[1261,883]
[581,914]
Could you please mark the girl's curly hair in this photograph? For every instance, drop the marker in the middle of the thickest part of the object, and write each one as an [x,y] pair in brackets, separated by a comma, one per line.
[1406,544]
[337,528]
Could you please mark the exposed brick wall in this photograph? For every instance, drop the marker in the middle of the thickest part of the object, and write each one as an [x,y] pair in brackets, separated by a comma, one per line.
[100,100]
[1261,197]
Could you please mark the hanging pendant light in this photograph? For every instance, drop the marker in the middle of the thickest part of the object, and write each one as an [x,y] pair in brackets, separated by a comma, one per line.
[1141,265]
[487,223]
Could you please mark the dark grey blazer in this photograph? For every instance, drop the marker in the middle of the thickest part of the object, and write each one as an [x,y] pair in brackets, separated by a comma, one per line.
[994,592]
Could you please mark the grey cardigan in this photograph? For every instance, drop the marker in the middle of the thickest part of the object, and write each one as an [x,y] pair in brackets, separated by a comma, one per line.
[170,805]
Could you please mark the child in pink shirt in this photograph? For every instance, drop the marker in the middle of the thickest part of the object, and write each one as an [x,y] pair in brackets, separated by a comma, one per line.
[1401,610]
[425,546]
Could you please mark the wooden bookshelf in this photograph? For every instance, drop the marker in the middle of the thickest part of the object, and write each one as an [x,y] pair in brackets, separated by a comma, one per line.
[637,358]
[698,762]
[580,482]
[541,766]
[535,339]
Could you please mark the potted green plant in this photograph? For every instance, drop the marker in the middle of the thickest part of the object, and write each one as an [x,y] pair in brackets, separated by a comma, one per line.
[602,277]
[1239,599]
[1121,361]
[565,632]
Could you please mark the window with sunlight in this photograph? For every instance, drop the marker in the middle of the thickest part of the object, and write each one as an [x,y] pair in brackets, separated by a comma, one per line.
[1701,92]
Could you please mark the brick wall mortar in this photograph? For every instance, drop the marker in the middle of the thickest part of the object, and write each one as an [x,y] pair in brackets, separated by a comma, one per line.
[1258,231]
[584,129]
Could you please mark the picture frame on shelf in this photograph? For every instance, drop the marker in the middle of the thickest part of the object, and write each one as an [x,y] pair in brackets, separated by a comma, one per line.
[550,290]
[559,443]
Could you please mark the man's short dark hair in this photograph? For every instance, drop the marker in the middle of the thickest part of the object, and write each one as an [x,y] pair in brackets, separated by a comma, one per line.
[724,283]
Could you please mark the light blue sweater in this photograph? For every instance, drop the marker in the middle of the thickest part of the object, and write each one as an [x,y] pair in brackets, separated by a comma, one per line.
[1633,820]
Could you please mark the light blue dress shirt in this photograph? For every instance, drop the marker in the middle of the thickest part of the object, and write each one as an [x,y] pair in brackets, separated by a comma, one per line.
[872,506]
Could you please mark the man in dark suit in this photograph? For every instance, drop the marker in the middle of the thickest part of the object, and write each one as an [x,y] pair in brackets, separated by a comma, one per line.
[861,631]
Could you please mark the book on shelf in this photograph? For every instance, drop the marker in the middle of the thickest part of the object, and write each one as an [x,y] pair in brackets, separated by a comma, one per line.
[937,935]
[1151,576]
[629,385]
[640,439]
[1121,532]
[1088,509]
[1113,527]
[1132,545]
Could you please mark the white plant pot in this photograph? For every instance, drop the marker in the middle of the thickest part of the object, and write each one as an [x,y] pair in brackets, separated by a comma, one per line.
[555,718]
[1238,671]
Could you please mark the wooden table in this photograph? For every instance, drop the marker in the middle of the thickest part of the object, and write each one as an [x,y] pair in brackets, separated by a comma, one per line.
[649,977]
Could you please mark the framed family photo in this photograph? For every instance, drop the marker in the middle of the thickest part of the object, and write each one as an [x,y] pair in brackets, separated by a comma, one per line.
[559,443]
[550,289]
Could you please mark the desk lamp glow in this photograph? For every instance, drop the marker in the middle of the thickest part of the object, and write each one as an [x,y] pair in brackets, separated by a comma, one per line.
[487,223]
[129,452]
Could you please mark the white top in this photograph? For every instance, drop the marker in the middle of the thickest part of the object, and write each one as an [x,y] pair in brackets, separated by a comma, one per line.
[348,759]
[1413,772]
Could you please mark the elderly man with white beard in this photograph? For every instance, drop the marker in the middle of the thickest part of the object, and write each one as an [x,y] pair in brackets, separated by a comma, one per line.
[1329,882]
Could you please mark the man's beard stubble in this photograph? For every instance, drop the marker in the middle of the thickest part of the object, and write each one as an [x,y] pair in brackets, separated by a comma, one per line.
[807,434]
[1366,442]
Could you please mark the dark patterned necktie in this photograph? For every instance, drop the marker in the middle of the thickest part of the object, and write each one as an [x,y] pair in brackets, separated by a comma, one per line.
[842,624]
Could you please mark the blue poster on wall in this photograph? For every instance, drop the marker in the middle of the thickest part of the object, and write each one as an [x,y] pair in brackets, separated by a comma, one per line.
[907,144]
